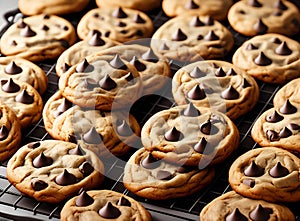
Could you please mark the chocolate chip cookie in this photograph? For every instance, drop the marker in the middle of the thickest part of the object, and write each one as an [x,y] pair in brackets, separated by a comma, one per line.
[290,91]
[151,178]
[271,58]
[191,37]
[38,37]
[51,171]
[134,4]
[268,173]
[209,138]
[218,85]
[232,206]
[255,17]
[102,205]
[116,23]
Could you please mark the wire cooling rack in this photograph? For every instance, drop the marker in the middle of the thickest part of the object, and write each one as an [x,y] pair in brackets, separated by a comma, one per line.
[14,206]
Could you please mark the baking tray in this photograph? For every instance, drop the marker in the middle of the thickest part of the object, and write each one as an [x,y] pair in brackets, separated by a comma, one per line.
[15,206]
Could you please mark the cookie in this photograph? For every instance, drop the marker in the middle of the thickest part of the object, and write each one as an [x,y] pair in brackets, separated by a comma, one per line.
[51,171]
[290,91]
[38,37]
[77,52]
[102,205]
[217,9]
[232,206]
[57,7]
[256,17]
[10,132]
[101,81]
[116,23]
[154,70]
[271,58]
[148,177]
[103,132]
[218,85]
[191,38]
[260,173]
[24,70]
[133,4]
[23,99]
[209,139]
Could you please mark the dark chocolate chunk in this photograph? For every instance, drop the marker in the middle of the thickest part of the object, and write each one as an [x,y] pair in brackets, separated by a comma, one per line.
[124,129]
[191,5]
[285,132]
[254,3]
[121,24]
[77,151]
[196,22]
[138,19]
[164,175]
[211,36]
[3,132]
[27,32]
[283,49]
[86,168]
[196,93]
[84,67]
[150,162]
[173,135]
[9,86]
[42,161]
[65,28]
[278,171]
[208,128]
[280,5]
[65,67]
[249,182]
[117,63]
[236,215]
[21,24]
[209,21]
[262,60]
[231,72]
[293,126]
[84,199]
[45,28]
[200,37]
[123,202]
[287,108]
[12,68]
[38,185]
[96,40]
[107,34]
[109,211]
[92,136]
[65,178]
[179,35]
[191,111]
[272,135]
[197,73]
[246,83]
[137,64]
[274,117]
[260,27]
[200,146]
[230,93]
[24,97]
[260,213]
[251,46]
[119,13]
[254,170]
[149,56]
[65,105]
[33,145]
[46,16]
[107,83]
[276,40]
[220,72]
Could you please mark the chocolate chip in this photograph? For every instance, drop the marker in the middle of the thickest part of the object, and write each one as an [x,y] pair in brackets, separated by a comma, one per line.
[33,145]
[191,111]
[84,67]
[230,93]
[196,22]
[149,56]
[184,169]
[119,13]
[283,49]
[12,68]
[249,182]
[64,105]
[138,19]
[21,24]
[179,35]
[200,37]
[86,168]
[93,32]
[242,12]
[260,213]
[72,138]
[197,73]
[117,63]
[27,32]
[276,40]
[293,126]
[231,72]
[260,27]
[137,64]
[121,24]
[123,202]
[3,132]
[200,146]
[245,83]
[285,132]
[13,43]
[164,175]
[42,161]
[24,97]
[124,129]
[196,93]
[65,67]
[280,5]
[77,151]
[109,211]
[84,199]
[209,21]
[92,137]
[274,117]
[96,40]
[211,36]
[173,135]
[254,3]
[129,77]
[9,86]
[65,178]
[220,72]
[208,128]
[107,34]
[253,170]
[236,215]
[262,60]
[287,108]
[46,16]
[278,171]
[250,47]
[164,47]
[38,185]
[45,28]
[107,83]
[150,162]
[272,135]
[191,5]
